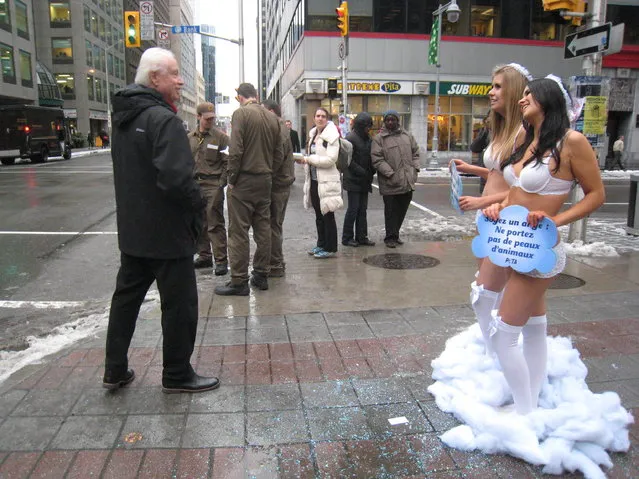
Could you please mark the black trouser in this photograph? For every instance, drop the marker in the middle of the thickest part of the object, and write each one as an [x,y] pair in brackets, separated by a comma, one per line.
[395,208]
[617,160]
[178,295]
[356,216]
[326,226]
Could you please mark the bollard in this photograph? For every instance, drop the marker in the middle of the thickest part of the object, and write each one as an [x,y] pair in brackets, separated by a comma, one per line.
[577,229]
[632,227]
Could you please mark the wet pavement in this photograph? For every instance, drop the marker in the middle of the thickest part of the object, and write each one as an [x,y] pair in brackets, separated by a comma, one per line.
[312,370]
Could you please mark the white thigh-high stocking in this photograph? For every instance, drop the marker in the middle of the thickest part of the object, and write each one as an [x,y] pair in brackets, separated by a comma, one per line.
[483,302]
[511,358]
[536,354]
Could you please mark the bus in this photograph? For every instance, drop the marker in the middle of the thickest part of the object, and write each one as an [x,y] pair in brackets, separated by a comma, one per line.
[34,132]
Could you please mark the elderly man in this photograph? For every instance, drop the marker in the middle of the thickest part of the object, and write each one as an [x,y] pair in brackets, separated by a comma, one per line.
[395,156]
[159,216]
[255,146]
[210,152]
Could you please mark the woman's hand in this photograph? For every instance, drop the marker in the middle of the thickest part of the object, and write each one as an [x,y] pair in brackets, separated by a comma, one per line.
[492,212]
[469,203]
[461,165]
[536,217]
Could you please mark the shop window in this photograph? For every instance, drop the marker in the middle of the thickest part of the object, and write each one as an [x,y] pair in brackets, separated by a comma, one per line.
[26,75]
[90,87]
[481,107]
[630,16]
[8,65]
[547,25]
[5,16]
[87,19]
[66,82]
[390,16]
[62,50]
[60,14]
[460,104]
[484,18]
[22,19]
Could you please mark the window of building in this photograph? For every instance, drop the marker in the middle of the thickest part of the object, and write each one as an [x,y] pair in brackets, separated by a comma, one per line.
[8,65]
[89,49]
[547,25]
[60,14]
[484,18]
[98,61]
[26,75]
[110,64]
[98,89]
[22,19]
[62,50]
[90,87]
[107,7]
[630,16]
[66,82]
[87,19]
[5,16]
[102,27]
[95,29]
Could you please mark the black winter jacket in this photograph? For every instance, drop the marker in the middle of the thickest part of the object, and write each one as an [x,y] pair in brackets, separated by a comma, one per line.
[359,175]
[159,204]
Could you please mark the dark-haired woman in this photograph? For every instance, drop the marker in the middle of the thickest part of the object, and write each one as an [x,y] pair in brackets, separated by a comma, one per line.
[541,174]
[323,186]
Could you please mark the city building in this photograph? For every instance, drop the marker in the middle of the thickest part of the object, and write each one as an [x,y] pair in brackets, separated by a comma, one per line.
[388,62]
[183,46]
[81,43]
[208,62]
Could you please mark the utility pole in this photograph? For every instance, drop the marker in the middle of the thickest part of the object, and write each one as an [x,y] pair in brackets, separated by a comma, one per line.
[241,38]
[343,21]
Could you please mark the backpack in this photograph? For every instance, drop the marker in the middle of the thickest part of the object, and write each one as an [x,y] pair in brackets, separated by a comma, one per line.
[345,155]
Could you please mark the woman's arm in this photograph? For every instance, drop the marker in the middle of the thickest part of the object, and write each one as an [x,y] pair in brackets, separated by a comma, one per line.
[469,169]
[479,202]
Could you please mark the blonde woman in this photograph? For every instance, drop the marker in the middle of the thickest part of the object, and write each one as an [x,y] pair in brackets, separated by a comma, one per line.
[506,131]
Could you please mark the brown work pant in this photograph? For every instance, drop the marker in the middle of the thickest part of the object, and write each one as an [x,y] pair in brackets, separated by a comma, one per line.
[249,207]
[214,228]
[279,201]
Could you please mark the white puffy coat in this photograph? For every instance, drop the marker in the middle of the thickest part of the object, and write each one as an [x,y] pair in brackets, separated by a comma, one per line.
[329,185]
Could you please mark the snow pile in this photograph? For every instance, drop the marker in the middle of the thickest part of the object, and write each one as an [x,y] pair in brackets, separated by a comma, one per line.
[570,431]
[441,228]
[599,248]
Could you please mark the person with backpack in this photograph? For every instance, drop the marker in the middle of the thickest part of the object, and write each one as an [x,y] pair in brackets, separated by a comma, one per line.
[395,156]
[357,181]
[322,185]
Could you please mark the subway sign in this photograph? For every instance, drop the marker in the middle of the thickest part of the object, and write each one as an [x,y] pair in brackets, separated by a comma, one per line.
[461,89]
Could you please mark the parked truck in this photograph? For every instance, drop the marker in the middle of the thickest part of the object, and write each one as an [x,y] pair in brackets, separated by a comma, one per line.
[34,132]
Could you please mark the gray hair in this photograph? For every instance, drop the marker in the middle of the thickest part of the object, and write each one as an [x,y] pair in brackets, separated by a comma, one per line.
[152,60]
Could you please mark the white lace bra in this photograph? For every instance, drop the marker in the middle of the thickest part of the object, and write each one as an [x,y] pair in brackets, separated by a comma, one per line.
[536,178]
[491,162]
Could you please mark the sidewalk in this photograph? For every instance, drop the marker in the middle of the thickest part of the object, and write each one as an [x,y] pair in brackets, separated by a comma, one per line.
[311,371]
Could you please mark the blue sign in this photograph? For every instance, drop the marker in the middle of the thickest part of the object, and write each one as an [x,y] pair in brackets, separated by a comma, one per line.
[456,188]
[511,242]
[185,29]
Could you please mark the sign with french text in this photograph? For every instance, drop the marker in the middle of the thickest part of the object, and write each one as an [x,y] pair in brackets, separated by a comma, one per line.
[456,188]
[512,242]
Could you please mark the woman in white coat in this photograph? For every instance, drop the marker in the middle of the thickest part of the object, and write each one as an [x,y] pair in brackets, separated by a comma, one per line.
[322,185]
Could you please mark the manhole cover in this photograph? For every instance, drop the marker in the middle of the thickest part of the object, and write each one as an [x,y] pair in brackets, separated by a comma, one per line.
[401,261]
[565,281]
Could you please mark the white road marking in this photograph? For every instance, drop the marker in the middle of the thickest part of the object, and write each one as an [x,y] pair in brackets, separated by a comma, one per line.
[420,207]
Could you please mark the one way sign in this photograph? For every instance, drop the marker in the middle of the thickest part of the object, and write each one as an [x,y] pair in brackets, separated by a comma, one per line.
[593,40]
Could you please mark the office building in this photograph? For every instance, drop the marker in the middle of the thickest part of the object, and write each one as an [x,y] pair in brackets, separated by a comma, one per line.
[183,46]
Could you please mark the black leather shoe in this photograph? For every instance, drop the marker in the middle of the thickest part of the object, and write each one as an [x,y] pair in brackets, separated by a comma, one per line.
[111,381]
[399,242]
[259,281]
[391,244]
[366,242]
[276,272]
[221,269]
[203,263]
[352,243]
[196,384]
[230,289]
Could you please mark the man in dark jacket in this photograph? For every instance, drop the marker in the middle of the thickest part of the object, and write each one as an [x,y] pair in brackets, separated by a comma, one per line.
[283,178]
[357,183]
[159,211]
[255,146]
[295,138]
[395,156]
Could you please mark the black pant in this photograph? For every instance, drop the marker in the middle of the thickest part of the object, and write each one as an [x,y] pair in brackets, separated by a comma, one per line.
[178,295]
[395,208]
[617,160]
[325,224]
[356,216]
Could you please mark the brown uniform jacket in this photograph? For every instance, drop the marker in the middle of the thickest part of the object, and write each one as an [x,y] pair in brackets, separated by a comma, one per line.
[284,171]
[206,149]
[255,142]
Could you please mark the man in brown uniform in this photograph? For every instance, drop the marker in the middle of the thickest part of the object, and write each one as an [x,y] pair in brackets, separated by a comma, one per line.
[283,178]
[255,145]
[209,148]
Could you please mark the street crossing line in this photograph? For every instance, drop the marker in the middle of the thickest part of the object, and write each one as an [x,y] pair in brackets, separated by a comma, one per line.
[419,207]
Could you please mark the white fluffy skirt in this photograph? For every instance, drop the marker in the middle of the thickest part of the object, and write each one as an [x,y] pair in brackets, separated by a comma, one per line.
[570,431]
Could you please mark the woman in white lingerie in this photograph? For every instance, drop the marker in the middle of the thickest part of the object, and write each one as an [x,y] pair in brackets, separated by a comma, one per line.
[506,132]
[540,173]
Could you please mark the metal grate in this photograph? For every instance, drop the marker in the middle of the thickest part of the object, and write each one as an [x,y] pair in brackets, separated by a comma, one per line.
[401,261]
[565,281]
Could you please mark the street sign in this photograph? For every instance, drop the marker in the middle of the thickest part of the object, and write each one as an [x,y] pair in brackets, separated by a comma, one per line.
[341,50]
[166,44]
[163,34]
[593,40]
[147,28]
[185,29]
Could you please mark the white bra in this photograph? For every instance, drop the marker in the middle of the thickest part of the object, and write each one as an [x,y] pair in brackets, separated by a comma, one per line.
[536,178]
[489,161]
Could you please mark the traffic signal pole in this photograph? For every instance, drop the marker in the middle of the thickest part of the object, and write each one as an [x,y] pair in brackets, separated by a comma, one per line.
[343,25]
[345,77]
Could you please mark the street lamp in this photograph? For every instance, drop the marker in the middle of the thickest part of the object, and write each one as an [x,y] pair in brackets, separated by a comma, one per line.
[452,15]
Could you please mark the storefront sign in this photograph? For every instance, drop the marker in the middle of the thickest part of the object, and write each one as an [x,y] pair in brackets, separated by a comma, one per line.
[368,87]
[461,89]
[98,115]
[70,113]
[512,242]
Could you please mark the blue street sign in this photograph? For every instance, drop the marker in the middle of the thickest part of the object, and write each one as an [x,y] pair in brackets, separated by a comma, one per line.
[185,29]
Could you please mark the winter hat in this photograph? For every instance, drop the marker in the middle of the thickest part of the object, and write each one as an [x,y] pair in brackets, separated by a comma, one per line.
[391,112]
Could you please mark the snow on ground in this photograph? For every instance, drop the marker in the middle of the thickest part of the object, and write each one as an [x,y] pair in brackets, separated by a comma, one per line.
[572,430]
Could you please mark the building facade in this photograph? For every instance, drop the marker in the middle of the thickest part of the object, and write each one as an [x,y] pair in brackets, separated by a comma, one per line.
[388,67]
[208,63]
[183,46]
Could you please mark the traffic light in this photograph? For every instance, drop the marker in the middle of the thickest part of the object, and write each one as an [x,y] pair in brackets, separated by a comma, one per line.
[342,18]
[578,6]
[132,29]
[332,88]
